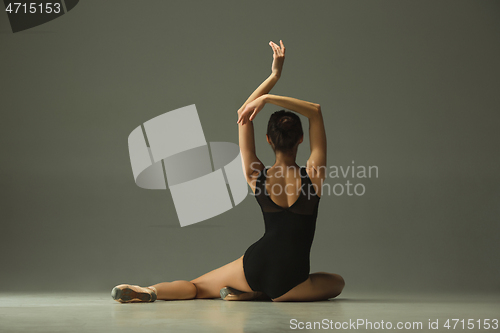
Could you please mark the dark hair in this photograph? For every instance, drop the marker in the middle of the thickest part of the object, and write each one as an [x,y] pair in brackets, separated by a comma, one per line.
[285,130]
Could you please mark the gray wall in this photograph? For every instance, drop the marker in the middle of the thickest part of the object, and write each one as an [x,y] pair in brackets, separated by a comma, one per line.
[408,86]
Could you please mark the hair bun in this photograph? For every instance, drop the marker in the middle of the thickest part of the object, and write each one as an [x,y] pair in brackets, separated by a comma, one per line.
[285,123]
[285,131]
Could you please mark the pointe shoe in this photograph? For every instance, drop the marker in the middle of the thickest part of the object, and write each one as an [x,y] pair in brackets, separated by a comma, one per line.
[231,294]
[228,290]
[126,293]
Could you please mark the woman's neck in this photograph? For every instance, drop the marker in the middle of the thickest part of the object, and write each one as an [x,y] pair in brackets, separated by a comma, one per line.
[285,159]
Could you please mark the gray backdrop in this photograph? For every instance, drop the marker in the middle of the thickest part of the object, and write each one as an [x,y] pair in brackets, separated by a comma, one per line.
[408,86]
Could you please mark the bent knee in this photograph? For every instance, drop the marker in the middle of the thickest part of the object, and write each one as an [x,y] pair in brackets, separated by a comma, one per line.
[340,280]
[338,284]
[333,283]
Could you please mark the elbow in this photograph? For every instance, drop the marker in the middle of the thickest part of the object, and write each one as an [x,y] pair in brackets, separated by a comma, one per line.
[315,111]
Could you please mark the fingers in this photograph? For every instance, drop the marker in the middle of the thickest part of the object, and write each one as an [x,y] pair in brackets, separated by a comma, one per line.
[248,116]
[244,120]
[274,47]
[241,119]
[253,115]
[278,50]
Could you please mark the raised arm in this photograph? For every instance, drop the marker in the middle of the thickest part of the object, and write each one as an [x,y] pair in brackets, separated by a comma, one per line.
[251,164]
[276,68]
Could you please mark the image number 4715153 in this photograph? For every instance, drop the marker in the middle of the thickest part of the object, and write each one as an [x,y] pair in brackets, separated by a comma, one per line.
[33,8]
[28,14]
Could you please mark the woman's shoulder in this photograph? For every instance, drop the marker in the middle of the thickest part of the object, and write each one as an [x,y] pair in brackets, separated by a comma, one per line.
[315,177]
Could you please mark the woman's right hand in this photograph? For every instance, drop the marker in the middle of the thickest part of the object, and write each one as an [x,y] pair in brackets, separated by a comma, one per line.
[278,57]
[248,112]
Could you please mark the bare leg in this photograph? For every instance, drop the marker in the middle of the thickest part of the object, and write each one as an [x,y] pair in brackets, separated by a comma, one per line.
[318,287]
[175,290]
[230,275]
[206,286]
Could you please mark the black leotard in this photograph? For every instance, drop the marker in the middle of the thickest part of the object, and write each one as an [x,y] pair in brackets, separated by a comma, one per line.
[279,260]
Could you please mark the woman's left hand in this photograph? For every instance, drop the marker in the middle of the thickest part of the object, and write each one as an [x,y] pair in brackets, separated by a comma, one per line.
[278,58]
[249,111]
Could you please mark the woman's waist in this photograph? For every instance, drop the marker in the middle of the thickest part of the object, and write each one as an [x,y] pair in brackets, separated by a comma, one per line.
[289,241]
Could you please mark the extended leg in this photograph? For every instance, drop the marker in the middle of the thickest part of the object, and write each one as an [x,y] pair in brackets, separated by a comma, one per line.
[318,287]
[175,290]
[206,286]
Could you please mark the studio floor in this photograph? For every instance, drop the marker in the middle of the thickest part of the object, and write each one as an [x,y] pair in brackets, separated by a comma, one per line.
[97,312]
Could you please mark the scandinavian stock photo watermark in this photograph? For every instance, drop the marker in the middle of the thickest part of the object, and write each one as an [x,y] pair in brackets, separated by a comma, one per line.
[338,180]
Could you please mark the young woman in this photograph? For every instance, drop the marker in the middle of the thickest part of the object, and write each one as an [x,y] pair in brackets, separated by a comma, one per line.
[276,267]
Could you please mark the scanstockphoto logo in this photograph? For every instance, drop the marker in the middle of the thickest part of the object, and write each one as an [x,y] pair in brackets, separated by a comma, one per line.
[170,150]
[28,14]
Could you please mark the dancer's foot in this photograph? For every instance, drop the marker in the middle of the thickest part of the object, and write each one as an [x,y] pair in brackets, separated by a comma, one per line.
[126,293]
[231,294]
